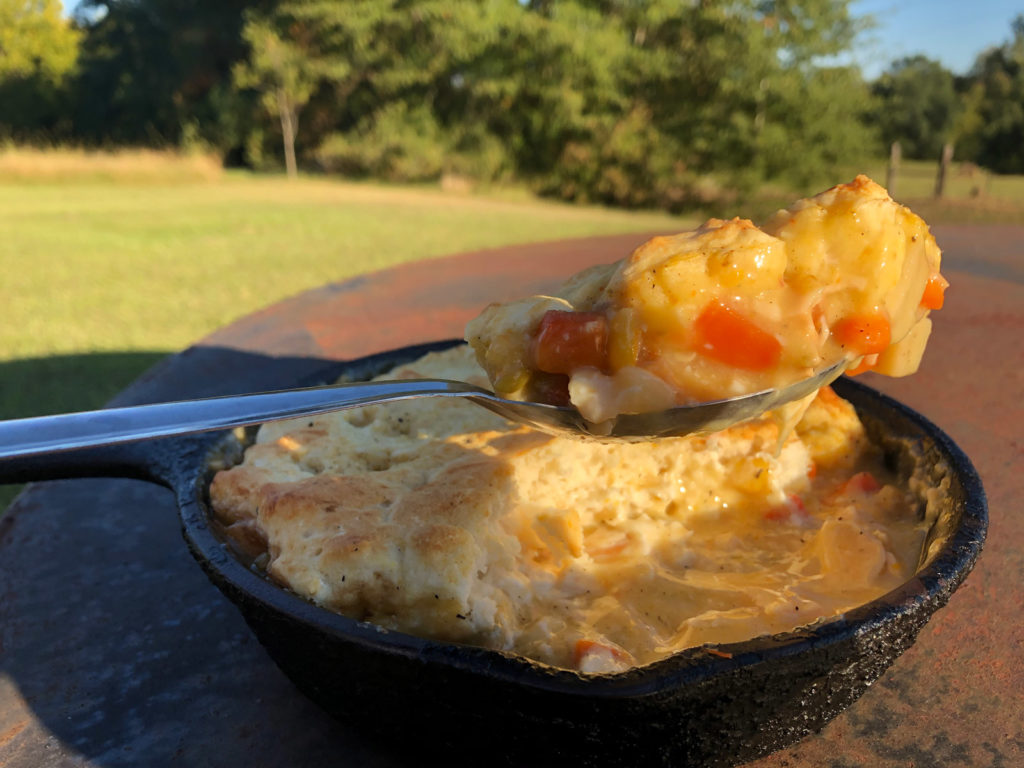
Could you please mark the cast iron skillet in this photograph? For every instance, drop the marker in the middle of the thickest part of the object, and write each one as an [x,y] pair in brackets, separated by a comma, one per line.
[706,707]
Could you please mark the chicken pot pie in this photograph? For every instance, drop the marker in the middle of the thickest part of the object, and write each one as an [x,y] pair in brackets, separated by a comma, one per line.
[440,519]
[727,309]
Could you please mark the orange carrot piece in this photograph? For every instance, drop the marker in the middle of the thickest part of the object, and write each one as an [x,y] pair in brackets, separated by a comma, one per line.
[570,340]
[725,335]
[935,292]
[867,334]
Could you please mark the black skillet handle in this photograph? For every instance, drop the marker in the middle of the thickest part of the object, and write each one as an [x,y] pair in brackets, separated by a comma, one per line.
[129,460]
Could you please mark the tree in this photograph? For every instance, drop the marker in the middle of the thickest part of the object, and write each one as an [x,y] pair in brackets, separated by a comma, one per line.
[917,106]
[35,38]
[493,85]
[991,131]
[737,86]
[38,52]
[629,102]
[154,72]
[282,71]
[619,101]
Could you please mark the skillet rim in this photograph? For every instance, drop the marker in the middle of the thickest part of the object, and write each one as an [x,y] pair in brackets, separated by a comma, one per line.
[928,589]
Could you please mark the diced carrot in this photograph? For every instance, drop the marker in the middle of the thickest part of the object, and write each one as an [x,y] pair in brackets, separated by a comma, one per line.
[867,334]
[812,470]
[935,292]
[725,335]
[570,340]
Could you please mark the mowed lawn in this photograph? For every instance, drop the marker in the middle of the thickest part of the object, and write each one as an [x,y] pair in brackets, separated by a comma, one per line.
[100,267]
[99,280]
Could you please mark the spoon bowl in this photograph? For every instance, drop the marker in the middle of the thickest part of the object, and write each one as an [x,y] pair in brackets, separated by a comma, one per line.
[708,416]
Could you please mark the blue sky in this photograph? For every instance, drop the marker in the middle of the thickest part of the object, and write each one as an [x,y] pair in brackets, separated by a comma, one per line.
[952,31]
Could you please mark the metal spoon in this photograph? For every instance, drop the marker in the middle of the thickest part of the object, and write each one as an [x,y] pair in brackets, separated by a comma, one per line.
[65,432]
[68,432]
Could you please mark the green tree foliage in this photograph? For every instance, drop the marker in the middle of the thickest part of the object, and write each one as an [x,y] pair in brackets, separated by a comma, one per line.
[736,85]
[282,72]
[402,76]
[38,51]
[499,85]
[35,38]
[991,130]
[917,106]
[817,128]
[629,102]
[619,101]
[155,72]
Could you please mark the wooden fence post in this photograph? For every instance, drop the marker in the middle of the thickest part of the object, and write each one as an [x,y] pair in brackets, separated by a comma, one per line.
[895,155]
[940,180]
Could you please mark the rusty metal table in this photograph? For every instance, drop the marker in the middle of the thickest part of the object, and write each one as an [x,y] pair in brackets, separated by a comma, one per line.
[115,650]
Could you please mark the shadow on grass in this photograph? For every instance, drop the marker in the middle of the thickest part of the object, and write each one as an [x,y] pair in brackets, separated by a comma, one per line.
[62,383]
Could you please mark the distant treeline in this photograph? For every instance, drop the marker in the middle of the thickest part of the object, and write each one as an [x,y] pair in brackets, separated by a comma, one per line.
[629,102]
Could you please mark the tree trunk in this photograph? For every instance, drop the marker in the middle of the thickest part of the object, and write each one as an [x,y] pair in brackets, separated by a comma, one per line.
[289,121]
[892,172]
[944,161]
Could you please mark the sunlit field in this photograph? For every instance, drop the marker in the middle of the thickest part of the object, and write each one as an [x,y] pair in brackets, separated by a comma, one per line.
[971,195]
[26,165]
[92,267]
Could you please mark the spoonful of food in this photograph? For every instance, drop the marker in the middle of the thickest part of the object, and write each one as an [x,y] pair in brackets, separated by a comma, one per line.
[845,279]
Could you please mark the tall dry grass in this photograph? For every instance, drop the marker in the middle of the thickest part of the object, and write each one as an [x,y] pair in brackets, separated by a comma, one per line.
[25,164]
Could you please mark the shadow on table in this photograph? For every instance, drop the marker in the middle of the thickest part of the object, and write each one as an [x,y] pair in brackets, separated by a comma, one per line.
[61,383]
[115,650]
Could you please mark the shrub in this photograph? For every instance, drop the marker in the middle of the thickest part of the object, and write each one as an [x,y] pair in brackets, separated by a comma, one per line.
[627,162]
[397,143]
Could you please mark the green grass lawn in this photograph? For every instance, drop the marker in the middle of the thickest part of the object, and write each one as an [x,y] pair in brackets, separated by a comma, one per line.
[100,279]
[102,267]
[972,195]
[915,180]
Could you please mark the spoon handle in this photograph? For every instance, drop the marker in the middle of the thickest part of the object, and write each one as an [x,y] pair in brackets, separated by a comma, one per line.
[90,429]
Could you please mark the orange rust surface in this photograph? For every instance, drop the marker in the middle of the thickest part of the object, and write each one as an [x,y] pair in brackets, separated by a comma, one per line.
[422,301]
[12,733]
